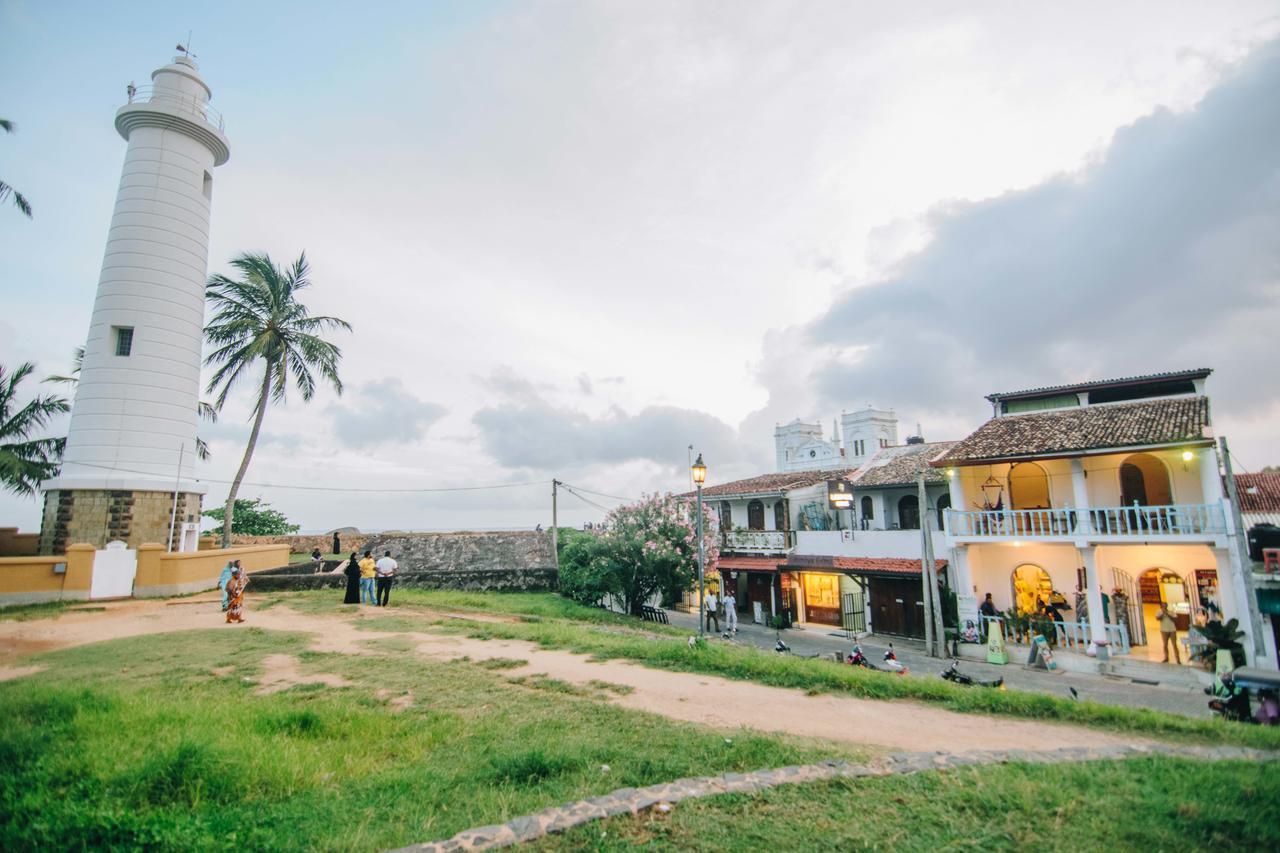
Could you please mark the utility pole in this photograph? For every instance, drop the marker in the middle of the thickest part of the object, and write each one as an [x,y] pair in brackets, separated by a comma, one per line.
[555,525]
[926,564]
[1246,565]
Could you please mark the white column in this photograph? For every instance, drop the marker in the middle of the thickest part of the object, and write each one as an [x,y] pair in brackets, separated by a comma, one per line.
[1093,593]
[1210,476]
[1080,495]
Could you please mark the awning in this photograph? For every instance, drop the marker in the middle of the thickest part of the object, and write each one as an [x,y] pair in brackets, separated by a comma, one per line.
[883,566]
[748,564]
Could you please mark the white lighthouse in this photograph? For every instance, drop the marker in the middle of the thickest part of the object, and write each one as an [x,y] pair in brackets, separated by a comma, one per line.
[131,442]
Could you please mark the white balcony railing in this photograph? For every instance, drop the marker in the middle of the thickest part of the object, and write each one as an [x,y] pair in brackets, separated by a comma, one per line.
[1066,635]
[1171,520]
[177,101]
[762,541]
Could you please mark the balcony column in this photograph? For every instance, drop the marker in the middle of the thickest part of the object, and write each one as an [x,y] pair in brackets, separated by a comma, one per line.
[1093,594]
[1210,476]
[1080,495]
[956,490]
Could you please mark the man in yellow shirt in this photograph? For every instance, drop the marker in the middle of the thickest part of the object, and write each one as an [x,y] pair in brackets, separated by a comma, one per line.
[368,569]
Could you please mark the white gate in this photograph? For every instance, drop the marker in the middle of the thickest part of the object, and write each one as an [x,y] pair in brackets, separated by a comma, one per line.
[113,571]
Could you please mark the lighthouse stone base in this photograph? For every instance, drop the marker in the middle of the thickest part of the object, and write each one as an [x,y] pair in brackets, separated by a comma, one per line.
[99,516]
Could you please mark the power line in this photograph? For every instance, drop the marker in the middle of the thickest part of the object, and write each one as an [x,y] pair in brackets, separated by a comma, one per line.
[601,494]
[424,489]
[585,500]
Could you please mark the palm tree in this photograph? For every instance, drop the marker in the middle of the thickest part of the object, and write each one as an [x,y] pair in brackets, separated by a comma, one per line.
[259,320]
[203,409]
[5,190]
[26,461]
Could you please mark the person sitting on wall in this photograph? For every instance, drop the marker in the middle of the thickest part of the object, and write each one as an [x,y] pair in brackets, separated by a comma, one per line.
[317,559]
[987,610]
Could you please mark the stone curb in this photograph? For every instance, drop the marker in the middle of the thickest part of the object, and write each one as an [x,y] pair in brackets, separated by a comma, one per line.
[635,800]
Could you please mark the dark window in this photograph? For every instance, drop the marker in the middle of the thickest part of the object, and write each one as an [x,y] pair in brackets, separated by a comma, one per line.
[208,185]
[909,513]
[780,515]
[868,508]
[726,515]
[944,504]
[755,515]
[1143,391]
[124,339]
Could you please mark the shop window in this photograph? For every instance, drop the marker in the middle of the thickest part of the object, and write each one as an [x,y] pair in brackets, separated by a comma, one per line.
[1031,588]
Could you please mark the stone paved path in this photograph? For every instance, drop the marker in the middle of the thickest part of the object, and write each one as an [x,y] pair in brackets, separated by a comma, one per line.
[635,800]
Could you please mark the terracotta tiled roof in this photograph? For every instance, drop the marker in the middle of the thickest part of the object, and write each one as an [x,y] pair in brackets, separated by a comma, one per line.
[883,565]
[773,483]
[1064,431]
[1259,492]
[1197,373]
[898,466]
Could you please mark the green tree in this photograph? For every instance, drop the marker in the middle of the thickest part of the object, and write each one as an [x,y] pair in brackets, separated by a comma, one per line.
[647,548]
[19,200]
[259,323]
[205,410]
[252,518]
[26,461]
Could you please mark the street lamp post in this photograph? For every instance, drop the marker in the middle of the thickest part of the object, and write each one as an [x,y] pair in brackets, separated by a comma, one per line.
[699,477]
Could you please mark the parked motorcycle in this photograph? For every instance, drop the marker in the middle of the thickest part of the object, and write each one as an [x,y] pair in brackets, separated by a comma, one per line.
[857,658]
[1232,701]
[953,673]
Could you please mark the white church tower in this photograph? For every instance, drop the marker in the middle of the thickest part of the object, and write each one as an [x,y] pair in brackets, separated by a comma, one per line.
[132,439]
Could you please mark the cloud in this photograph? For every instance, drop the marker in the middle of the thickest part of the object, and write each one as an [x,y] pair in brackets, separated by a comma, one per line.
[536,434]
[383,412]
[1160,255]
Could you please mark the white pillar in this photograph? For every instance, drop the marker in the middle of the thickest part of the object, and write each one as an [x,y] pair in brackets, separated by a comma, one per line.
[1080,495]
[1210,476]
[1093,593]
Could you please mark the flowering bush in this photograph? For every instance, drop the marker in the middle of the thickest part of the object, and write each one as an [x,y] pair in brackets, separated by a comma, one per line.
[647,548]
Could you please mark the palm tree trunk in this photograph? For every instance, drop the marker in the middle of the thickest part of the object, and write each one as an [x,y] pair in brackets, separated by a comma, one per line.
[229,511]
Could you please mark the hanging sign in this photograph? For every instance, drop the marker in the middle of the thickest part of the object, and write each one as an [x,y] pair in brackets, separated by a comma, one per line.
[839,494]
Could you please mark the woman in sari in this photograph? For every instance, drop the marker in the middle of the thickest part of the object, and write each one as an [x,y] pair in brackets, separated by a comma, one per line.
[235,594]
[352,571]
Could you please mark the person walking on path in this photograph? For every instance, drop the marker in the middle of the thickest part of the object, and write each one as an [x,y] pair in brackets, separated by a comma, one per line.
[1168,633]
[730,611]
[710,606]
[223,580]
[352,571]
[235,591]
[368,570]
[386,569]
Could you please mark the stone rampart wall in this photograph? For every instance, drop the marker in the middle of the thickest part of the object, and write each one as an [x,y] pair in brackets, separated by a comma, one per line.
[431,552]
[476,580]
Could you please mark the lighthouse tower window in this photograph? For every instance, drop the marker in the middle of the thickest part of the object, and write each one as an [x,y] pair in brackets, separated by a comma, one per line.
[124,339]
[208,186]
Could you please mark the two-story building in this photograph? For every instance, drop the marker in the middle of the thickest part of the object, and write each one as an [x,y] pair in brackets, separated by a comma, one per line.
[1108,492]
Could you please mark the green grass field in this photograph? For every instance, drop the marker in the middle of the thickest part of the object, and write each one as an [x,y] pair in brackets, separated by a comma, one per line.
[138,743]
[1143,804]
[554,622]
[162,742]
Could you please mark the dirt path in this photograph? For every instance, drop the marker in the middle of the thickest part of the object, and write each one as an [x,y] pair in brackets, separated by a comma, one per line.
[709,700]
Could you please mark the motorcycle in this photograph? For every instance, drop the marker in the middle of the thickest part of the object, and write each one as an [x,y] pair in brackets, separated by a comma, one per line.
[1232,701]
[857,658]
[953,673]
[780,647]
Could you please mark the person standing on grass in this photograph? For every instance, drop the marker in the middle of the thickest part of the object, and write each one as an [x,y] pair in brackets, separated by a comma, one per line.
[368,570]
[352,570]
[386,569]
[1168,633]
[730,611]
[223,580]
[235,591]
[710,606]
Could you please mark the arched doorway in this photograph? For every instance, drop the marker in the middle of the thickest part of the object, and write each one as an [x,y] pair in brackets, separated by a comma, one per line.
[755,515]
[1028,487]
[909,512]
[1158,588]
[868,511]
[944,504]
[1145,481]
[1031,587]
[780,515]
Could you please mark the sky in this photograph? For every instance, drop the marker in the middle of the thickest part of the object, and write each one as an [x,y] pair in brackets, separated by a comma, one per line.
[575,238]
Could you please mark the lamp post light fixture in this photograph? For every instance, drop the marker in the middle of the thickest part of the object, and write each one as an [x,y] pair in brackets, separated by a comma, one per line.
[699,470]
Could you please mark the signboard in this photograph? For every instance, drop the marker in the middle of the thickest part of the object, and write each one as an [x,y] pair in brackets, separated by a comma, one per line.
[839,494]
[996,652]
[1041,655]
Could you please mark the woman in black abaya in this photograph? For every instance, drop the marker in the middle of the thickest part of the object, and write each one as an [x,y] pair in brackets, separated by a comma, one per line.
[352,571]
